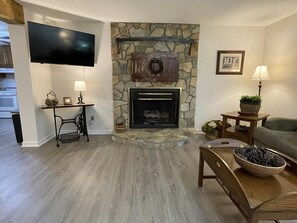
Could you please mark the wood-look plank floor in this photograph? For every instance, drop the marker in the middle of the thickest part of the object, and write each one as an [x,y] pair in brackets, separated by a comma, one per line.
[105,182]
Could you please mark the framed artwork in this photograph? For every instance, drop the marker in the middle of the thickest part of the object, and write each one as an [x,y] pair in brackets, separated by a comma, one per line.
[67,101]
[230,62]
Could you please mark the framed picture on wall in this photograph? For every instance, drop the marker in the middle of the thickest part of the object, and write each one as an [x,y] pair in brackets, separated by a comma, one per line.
[67,101]
[230,62]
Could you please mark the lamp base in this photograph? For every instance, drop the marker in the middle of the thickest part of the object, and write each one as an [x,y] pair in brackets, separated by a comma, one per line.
[80,99]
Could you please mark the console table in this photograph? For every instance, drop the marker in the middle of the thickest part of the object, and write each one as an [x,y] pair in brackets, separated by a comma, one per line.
[257,198]
[79,121]
[245,135]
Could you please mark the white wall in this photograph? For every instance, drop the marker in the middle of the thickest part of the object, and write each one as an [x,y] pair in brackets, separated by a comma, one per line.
[34,81]
[24,84]
[218,94]
[281,58]
[98,79]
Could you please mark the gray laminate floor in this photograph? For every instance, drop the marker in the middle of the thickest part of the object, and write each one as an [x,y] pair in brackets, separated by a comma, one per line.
[105,182]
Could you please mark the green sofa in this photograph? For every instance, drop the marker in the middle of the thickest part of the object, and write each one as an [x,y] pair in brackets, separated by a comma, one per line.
[279,134]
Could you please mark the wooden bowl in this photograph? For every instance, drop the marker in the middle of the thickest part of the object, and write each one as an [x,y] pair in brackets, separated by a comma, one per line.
[259,170]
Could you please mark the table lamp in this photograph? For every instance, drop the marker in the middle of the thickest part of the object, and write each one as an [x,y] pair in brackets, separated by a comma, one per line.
[80,86]
[261,73]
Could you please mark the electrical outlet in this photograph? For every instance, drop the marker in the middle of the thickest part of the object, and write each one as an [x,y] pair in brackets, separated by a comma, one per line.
[92,120]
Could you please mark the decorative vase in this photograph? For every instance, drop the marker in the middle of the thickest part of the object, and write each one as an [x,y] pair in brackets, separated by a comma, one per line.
[249,109]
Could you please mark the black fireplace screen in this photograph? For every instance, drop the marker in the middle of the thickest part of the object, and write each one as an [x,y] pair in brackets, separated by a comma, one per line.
[154,107]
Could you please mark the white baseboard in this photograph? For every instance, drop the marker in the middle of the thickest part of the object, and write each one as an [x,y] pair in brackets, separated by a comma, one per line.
[39,143]
[99,132]
[26,144]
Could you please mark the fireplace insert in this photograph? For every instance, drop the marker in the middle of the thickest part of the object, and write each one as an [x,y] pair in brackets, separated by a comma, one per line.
[154,107]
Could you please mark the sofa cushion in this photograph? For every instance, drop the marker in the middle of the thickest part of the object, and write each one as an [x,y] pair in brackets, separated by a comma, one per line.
[284,141]
[284,124]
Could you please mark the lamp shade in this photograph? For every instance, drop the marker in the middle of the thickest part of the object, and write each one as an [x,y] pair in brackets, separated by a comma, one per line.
[80,86]
[261,73]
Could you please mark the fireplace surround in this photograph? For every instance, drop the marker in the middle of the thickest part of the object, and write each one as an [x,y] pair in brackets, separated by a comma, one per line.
[186,54]
[154,107]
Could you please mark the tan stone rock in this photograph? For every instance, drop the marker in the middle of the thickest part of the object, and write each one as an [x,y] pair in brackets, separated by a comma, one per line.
[130,49]
[161,46]
[179,33]
[184,96]
[138,32]
[190,122]
[196,29]
[124,31]
[115,79]
[193,81]
[125,46]
[119,86]
[193,104]
[115,54]
[187,33]
[136,25]
[189,114]
[184,107]
[158,32]
[115,32]
[124,55]
[194,72]
[129,84]
[192,91]
[181,57]
[143,84]
[182,123]
[187,66]
[170,31]
[183,27]
[144,26]
[117,95]
[126,77]
[188,100]
[116,68]
[117,111]
[183,74]
[149,50]
[124,109]
[121,25]
[118,103]
[179,48]
[181,83]
[171,45]
[195,36]
[125,96]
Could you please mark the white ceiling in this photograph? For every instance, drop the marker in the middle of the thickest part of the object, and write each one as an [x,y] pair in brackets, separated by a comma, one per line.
[210,12]
[213,12]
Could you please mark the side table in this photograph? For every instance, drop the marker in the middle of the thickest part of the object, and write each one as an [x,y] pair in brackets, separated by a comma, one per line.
[79,120]
[245,135]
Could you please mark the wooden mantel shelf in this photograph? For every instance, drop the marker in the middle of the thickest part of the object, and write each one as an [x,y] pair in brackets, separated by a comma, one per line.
[163,39]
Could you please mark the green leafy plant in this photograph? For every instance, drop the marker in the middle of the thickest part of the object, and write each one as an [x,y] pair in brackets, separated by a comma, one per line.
[212,126]
[247,99]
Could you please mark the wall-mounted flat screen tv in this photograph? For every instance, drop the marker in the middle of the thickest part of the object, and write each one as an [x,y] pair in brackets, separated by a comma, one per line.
[54,45]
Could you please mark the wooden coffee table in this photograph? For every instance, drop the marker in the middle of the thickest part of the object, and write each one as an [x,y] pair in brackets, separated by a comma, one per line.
[257,198]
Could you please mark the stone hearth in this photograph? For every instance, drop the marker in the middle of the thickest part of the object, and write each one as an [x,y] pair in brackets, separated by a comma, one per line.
[158,138]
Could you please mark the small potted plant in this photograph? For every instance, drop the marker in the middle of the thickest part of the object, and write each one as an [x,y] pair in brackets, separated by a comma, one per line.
[212,129]
[250,104]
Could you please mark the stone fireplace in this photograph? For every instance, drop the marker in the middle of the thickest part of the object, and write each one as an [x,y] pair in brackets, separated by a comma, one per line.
[178,40]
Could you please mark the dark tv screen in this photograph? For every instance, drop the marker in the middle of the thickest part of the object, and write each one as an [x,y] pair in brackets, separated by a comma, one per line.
[54,45]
